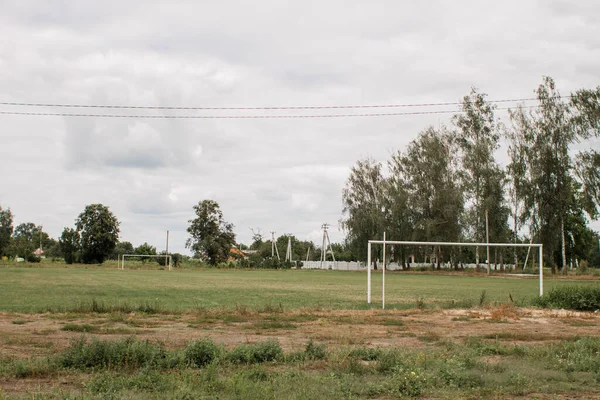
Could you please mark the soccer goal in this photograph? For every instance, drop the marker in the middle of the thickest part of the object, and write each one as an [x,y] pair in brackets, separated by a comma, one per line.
[123,256]
[385,242]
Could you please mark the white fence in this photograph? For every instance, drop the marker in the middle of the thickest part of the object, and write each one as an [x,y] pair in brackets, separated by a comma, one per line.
[360,266]
[335,265]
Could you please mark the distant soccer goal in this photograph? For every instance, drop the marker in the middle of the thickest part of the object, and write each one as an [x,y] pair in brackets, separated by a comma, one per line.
[385,242]
[123,256]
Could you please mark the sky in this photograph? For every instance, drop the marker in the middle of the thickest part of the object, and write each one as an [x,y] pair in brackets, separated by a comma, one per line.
[282,175]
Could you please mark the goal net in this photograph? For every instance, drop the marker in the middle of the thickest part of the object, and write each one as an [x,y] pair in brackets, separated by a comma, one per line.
[385,243]
[163,256]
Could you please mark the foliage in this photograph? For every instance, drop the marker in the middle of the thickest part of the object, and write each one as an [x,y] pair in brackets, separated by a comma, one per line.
[201,352]
[120,249]
[269,350]
[482,178]
[574,297]
[176,259]
[210,236]
[128,353]
[363,205]
[145,249]
[70,245]
[6,229]
[99,233]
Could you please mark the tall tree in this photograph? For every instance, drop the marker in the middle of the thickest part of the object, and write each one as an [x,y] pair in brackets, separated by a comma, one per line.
[431,199]
[210,236]
[478,137]
[99,231]
[6,229]
[558,185]
[517,172]
[364,208]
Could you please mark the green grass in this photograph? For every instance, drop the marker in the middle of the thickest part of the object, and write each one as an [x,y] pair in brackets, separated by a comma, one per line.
[105,290]
[130,368]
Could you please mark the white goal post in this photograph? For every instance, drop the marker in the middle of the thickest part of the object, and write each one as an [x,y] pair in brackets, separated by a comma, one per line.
[385,242]
[122,258]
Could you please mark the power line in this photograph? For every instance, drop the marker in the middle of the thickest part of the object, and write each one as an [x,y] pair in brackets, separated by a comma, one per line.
[239,116]
[112,106]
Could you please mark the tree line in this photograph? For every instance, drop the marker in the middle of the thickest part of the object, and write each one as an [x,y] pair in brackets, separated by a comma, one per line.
[447,185]
[94,238]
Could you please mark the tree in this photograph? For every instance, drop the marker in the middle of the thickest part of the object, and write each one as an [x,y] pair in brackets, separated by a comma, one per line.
[6,229]
[364,208]
[145,249]
[120,249]
[70,243]
[558,186]
[99,231]
[427,202]
[478,137]
[211,237]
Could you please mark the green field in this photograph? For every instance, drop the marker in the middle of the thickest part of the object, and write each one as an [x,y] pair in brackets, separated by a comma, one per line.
[63,289]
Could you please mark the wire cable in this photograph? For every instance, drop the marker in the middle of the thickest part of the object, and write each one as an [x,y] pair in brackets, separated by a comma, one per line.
[253,108]
[150,116]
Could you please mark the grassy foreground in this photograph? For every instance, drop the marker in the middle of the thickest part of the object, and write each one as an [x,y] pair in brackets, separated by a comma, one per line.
[31,289]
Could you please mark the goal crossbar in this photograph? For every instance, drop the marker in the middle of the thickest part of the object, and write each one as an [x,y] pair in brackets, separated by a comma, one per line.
[385,242]
[145,255]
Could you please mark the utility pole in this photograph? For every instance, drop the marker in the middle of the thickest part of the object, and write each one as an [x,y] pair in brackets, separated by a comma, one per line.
[288,253]
[326,243]
[167,252]
[41,227]
[274,249]
[487,240]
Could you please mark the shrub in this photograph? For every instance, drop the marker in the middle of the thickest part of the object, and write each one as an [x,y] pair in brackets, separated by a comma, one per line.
[269,350]
[574,297]
[315,351]
[129,352]
[201,352]
[32,258]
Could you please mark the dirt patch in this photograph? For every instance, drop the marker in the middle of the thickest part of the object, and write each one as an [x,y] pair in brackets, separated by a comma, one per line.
[44,334]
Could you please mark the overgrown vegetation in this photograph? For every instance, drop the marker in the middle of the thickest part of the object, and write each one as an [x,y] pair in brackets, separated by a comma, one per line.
[573,297]
[131,368]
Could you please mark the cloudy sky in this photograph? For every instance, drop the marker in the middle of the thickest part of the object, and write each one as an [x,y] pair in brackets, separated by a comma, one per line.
[283,175]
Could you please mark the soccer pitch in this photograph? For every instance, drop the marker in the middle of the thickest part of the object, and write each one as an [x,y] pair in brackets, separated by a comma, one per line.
[63,289]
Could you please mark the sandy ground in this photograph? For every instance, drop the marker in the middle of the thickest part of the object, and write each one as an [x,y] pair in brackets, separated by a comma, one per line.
[34,335]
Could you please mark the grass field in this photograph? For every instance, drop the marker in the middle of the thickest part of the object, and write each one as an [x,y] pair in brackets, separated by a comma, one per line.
[76,332]
[56,289]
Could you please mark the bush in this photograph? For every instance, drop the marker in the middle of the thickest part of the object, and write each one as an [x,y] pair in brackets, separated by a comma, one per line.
[130,353]
[574,297]
[32,258]
[315,351]
[269,350]
[201,352]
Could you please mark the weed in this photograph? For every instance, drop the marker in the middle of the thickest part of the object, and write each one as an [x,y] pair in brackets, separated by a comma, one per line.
[202,352]
[129,352]
[315,351]
[482,298]
[269,350]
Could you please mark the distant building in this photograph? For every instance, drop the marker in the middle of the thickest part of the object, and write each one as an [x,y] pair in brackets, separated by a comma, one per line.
[236,254]
[39,253]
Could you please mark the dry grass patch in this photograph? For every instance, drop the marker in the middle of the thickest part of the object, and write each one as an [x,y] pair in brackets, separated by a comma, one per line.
[504,312]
